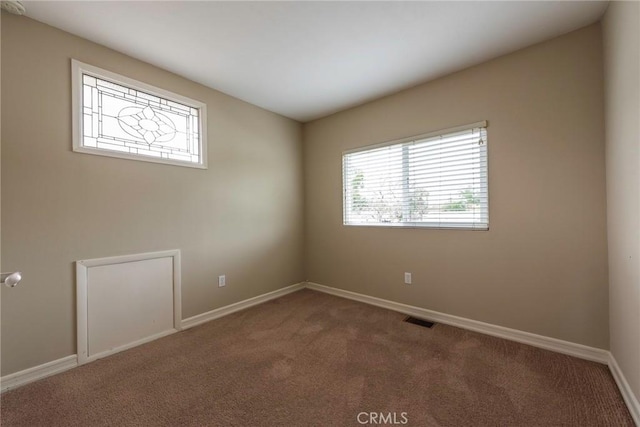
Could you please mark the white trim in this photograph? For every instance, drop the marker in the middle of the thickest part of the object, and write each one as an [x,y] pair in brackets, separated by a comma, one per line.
[360,158]
[481,124]
[129,258]
[127,346]
[241,305]
[627,394]
[39,372]
[82,312]
[57,366]
[598,355]
[79,68]
[82,271]
[547,343]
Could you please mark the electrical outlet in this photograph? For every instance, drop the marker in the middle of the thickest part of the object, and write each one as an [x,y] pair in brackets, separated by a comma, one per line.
[407,278]
[222,281]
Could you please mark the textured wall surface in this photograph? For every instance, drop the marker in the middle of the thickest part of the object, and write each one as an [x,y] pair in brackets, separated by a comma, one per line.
[542,266]
[241,217]
[622,76]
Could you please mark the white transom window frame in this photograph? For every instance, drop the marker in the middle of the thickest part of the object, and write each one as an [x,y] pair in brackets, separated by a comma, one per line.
[79,69]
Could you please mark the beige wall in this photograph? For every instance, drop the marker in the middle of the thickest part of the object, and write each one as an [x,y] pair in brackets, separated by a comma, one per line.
[622,88]
[242,217]
[542,267]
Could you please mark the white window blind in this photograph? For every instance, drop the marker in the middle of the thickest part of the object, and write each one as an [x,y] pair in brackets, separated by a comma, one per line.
[435,180]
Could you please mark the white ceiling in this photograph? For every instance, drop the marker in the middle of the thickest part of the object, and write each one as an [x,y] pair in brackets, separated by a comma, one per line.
[306,60]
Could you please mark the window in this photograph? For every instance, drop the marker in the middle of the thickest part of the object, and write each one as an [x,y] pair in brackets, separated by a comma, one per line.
[437,180]
[120,117]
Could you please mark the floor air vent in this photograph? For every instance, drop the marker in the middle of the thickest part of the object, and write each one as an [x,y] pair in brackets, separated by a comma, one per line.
[419,322]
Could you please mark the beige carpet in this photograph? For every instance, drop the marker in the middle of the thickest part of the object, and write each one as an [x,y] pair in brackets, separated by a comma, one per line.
[310,359]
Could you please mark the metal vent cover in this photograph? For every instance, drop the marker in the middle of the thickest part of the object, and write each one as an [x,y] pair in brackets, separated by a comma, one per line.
[419,322]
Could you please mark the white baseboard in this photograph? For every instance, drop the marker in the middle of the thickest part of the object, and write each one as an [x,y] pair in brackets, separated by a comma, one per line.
[547,343]
[594,354]
[37,372]
[553,344]
[627,394]
[223,311]
[57,366]
[107,353]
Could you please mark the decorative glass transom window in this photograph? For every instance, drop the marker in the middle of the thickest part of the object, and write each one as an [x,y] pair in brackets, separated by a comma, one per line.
[120,117]
[436,180]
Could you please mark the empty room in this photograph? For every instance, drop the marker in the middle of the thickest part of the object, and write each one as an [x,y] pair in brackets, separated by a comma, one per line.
[320,213]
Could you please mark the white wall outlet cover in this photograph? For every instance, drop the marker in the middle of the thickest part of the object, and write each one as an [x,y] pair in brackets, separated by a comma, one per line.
[222,281]
[407,278]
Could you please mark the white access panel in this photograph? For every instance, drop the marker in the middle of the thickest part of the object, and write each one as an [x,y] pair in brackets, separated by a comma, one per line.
[126,301]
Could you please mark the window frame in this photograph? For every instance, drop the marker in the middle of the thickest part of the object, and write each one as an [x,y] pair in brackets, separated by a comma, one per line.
[78,69]
[419,225]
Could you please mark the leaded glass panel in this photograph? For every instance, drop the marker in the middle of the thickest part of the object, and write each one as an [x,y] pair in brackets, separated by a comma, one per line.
[119,118]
